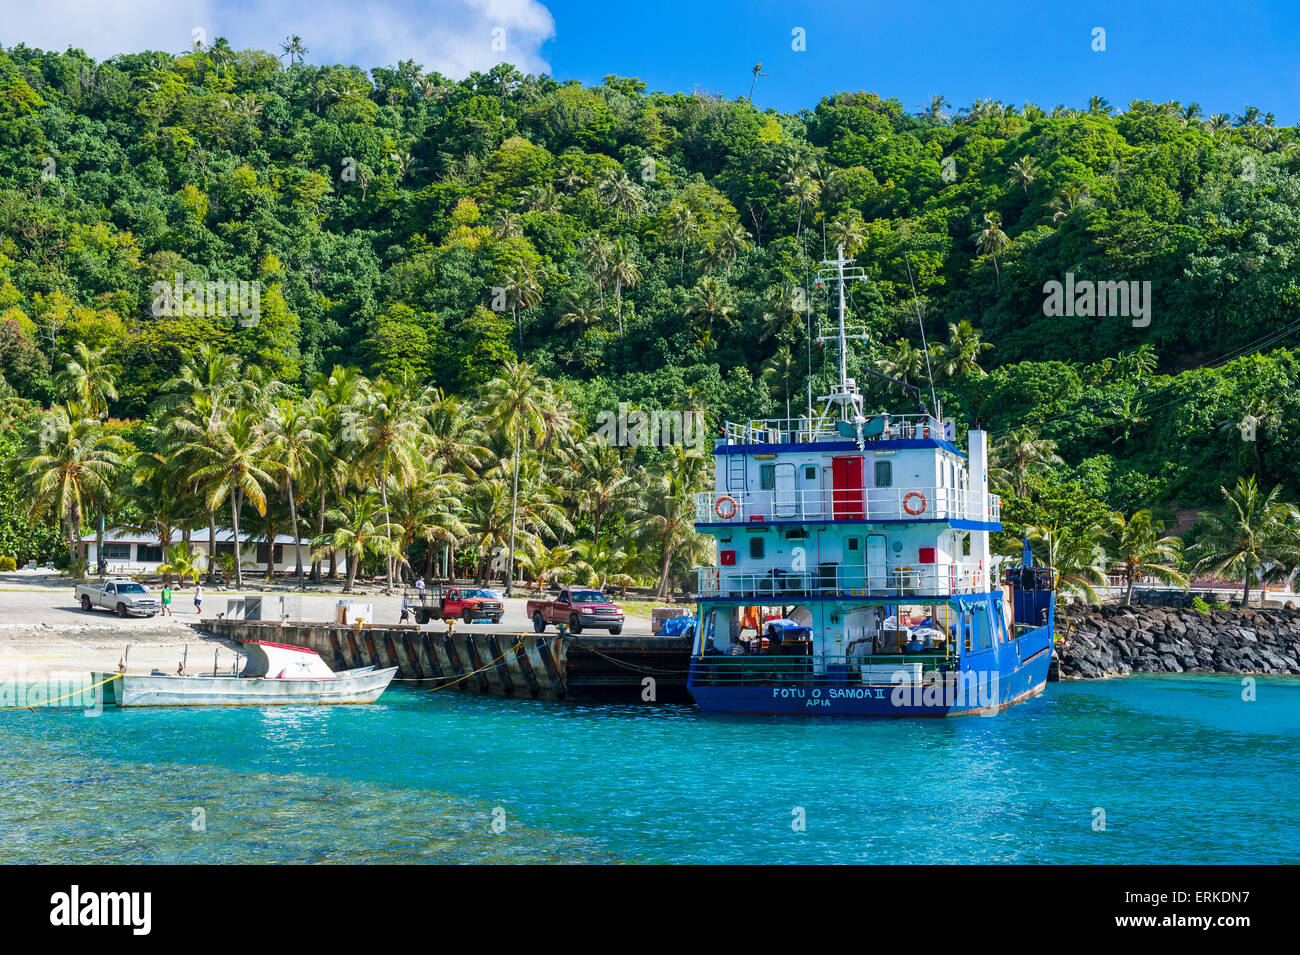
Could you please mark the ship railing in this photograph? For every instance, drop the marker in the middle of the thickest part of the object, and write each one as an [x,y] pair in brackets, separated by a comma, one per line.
[836,580]
[824,504]
[804,670]
[809,430]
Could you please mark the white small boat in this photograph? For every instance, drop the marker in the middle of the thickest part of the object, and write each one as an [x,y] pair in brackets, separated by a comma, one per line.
[275,673]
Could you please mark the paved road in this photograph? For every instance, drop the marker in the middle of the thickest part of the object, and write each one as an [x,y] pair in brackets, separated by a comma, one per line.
[56,607]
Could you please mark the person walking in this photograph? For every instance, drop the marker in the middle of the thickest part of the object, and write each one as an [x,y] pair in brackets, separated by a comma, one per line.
[198,598]
[166,600]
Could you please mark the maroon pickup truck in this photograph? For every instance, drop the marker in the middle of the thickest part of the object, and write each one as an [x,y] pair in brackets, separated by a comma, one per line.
[577,608]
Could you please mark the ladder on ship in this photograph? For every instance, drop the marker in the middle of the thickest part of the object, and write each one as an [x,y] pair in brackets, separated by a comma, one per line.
[736,472]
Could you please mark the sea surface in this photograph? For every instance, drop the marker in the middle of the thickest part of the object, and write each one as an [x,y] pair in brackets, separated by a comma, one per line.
[1177,769]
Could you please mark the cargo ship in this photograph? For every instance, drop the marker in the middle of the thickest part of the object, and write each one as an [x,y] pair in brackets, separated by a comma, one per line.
[853,572]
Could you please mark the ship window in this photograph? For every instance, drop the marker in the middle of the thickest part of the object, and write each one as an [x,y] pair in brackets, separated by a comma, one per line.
[884,474]
[853,543]
[797,533]
[810,472]
[756,548]
[766,477]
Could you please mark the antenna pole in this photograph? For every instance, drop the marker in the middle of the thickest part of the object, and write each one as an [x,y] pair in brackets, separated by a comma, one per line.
[844,363]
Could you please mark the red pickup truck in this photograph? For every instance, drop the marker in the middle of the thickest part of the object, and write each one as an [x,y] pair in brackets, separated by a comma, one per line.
[467,603]
[577,608]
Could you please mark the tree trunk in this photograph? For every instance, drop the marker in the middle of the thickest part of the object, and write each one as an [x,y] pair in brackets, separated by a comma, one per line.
[514,513]
[388,532]
[663,570]
[297,547]
[354,561]
[212,545]
[234,522]
[1128,594]
[318,562]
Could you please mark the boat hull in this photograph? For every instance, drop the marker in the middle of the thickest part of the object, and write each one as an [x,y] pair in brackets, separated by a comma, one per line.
[979,687]
[350,686]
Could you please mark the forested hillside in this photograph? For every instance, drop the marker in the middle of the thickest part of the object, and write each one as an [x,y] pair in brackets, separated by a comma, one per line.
[658,248]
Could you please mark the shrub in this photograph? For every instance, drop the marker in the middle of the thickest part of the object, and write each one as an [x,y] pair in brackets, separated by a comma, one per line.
[8,563]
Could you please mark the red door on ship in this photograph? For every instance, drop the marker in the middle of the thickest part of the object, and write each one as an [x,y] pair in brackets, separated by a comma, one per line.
[846,478]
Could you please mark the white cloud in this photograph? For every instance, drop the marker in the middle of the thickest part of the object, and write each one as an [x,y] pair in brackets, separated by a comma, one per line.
[454,37]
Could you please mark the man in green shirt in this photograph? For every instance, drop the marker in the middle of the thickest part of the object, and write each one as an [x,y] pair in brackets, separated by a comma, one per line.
[166,601]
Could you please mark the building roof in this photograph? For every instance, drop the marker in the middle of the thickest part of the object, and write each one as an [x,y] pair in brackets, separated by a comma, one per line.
[200,536]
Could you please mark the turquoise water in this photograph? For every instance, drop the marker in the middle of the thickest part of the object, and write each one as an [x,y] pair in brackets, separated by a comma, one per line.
[1185,771]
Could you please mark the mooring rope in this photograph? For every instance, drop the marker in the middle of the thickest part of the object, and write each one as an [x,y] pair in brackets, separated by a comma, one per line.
[491,663]
[115,676]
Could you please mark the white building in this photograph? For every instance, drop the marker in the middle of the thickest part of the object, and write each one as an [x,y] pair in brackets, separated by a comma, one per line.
[133,552]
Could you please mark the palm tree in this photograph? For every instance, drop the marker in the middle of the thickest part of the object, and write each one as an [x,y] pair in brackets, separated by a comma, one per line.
[548,562]
[183,561]
[780,313]
[806,190]
[624,273]
[337,398]
[990,240]
[516,401]
[728,242]
[1071,197]
[757,70]
[596,255]
[849,231]
[907,362]
[238,467]
[666,515]
[357,534]
[523,289]
[297,442]
[1020,452]
[292,47]
[621,193]
[70,460]
[961,355]
[580,313]
[90,379]
[195,402]
[391,428]
[1023,173]
[710,300]
[1256,533]
[1077,559]
[602,482]
[934,110]
[686,226]
[1138,549]
[779,373]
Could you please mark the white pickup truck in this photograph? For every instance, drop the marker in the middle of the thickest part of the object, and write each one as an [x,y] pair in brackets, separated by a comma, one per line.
[128,598]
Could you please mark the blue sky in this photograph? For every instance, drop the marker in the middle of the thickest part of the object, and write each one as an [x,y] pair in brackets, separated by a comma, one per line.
[1221,55]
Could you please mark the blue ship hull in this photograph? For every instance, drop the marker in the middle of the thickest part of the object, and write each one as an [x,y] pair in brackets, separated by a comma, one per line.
[984,682]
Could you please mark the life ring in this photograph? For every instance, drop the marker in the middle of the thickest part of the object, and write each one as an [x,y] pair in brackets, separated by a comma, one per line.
[907,505]
[731,507]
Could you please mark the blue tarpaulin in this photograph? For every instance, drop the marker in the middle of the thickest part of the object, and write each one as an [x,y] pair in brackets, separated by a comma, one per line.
[677,626]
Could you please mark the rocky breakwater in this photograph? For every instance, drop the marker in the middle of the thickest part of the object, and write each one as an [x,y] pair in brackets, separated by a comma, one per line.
[1113,641]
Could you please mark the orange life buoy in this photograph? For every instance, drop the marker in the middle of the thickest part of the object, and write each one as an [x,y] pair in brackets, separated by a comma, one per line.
[907,503]
[731,507]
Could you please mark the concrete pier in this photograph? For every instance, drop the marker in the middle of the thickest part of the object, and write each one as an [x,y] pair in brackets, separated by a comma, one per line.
[551,666]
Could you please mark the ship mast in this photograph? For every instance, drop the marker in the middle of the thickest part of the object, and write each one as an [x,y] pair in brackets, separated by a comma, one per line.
[844,396]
